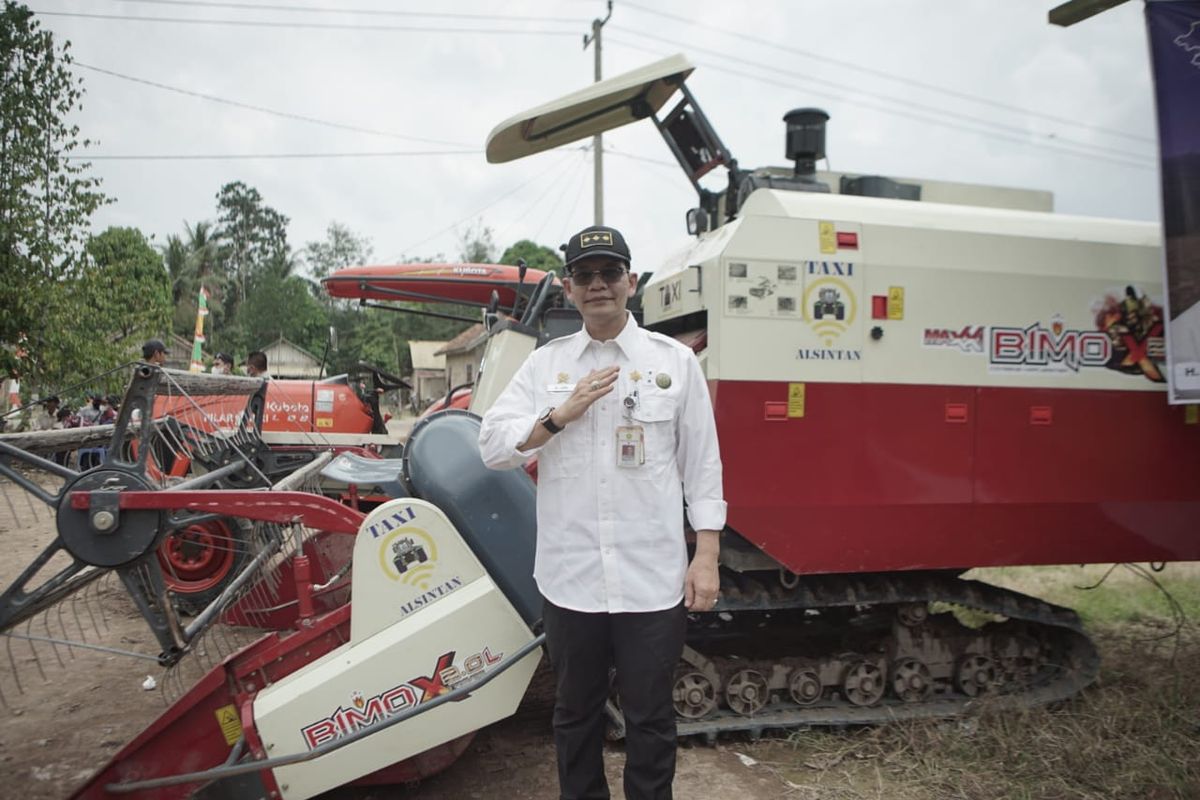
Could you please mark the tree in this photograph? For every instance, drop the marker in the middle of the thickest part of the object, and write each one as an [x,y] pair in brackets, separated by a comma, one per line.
[252,237]
[193,264]
[341,248]
[536,256]
[46,201]
[280,305]
[127,289]
[475,244]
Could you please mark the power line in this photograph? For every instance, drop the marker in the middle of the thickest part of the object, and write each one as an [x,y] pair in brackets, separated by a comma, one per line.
[657,161]
[372,12]
[577,180]
[1024,140]
[307,25]
[876,73]
[563,175]
[252,156]
[264,110]
[1123,153]
[514,190]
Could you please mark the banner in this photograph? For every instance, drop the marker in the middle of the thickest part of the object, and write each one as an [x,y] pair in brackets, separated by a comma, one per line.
[1174,30]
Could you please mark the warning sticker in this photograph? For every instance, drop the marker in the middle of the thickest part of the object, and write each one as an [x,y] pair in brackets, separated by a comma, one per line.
[795,399]
[324,422]
[1191,414]
[828,234]
[231,726]
[895,302]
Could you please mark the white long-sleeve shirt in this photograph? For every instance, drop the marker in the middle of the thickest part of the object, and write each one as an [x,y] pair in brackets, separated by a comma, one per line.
[610,538]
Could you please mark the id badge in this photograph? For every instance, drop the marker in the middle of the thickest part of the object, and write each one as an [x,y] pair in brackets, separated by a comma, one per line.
[631,446]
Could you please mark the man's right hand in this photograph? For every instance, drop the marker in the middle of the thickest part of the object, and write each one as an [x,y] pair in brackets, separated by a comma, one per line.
[589,389]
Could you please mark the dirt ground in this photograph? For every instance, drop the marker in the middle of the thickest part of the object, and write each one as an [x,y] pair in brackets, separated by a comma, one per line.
[68,710]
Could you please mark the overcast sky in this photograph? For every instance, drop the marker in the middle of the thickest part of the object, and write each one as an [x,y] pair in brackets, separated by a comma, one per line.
[974,90]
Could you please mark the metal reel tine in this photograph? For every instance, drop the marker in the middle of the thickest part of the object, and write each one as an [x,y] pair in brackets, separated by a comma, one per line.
[37,660]
[49,635]
[12,663]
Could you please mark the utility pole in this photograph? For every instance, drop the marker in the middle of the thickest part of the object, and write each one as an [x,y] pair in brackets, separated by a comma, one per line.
[597,140]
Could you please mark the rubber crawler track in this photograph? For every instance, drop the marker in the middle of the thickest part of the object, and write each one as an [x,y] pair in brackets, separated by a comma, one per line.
[1074,650]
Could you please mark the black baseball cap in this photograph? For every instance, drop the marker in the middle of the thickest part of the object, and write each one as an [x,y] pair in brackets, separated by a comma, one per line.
[153,346]
[597,240]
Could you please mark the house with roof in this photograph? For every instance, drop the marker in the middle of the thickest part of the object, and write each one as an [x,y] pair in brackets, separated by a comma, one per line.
[286,359]
[429,372]
[464,355]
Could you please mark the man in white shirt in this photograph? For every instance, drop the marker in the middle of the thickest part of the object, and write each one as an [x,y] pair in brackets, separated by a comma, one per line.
[623,426]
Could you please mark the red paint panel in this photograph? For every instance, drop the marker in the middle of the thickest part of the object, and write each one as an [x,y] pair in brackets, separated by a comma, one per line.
[877,477]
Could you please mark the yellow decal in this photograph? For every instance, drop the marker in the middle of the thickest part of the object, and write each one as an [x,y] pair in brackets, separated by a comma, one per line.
[795,400]
[1191,414]
[895,305]
[231,726]
[828,237]
[324,422]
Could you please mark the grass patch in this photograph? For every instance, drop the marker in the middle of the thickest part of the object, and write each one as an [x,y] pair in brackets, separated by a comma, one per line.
[1120,594]
[1133,735]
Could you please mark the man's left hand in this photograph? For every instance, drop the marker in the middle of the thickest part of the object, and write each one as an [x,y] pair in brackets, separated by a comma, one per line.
[702,586]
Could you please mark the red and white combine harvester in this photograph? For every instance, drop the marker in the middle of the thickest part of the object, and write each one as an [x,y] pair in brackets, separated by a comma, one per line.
[910,379]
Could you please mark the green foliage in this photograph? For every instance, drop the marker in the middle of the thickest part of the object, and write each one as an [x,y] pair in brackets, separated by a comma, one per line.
[126,287]
[193,263]
[46,200]
[537,256]
[476,245]
[280,305]
[341,248]
[252,238]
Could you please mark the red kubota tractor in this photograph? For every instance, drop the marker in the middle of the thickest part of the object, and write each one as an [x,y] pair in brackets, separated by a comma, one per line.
[910,379]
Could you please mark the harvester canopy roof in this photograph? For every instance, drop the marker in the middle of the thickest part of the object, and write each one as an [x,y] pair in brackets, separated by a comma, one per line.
[600,107]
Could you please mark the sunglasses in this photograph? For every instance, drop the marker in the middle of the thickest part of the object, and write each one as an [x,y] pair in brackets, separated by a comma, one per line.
[584,277]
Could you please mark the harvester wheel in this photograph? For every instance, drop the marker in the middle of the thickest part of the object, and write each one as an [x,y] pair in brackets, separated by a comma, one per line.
[694,695]
[864,683]
[746,692]
[912,614]
[911,680]
[975,675]
[198,561]
[804,685]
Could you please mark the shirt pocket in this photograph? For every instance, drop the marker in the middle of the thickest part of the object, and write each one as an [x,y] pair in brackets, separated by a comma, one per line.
[656,416]
[568,452]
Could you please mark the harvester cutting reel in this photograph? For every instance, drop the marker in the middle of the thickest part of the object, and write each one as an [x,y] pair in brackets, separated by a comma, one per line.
[165,455]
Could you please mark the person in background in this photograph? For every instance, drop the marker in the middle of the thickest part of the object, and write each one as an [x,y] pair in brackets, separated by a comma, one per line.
[108,410]
[154,352]
[222,364]
[90,412]
[46,417]
[63,418]
[256,365]
[90,415]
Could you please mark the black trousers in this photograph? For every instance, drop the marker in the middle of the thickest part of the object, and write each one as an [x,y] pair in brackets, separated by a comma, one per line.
[645,649]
